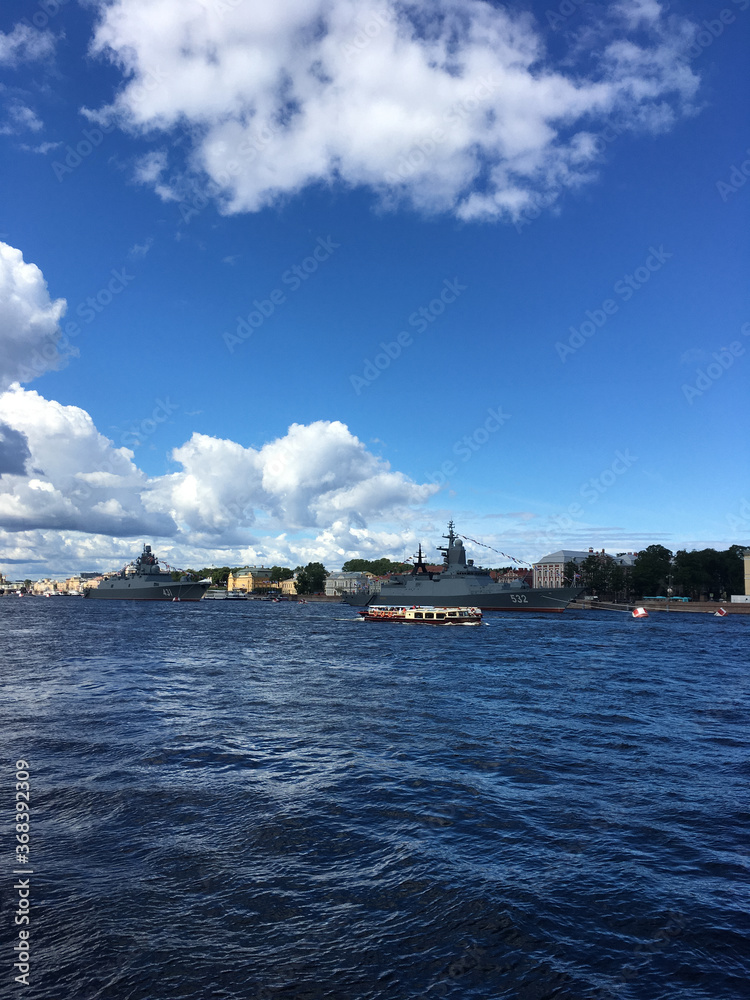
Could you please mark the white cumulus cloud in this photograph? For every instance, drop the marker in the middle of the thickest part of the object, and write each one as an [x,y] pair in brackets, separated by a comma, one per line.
[314,476]
[316,490]
[75,479]
[453,107]
[29,321]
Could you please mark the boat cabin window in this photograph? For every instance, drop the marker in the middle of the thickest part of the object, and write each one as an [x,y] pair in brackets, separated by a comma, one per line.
[418,614]
[440,615]
[429,614]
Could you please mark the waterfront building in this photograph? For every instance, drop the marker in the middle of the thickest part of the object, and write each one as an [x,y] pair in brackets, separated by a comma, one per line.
[550,571]
[338,584]
[250,578]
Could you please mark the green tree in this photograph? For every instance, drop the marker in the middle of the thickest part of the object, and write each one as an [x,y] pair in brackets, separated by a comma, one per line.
[735,569]
[218,576]
[311,578]
[651,571]
[595,570]
[377,566]
[706,572]
[279,573]
[618,583]
[177,574]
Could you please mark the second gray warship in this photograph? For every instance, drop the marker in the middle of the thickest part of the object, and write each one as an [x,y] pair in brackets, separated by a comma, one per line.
[462,584]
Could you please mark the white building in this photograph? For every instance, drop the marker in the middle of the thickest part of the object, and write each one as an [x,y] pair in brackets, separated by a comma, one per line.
[338,584]
[550,571]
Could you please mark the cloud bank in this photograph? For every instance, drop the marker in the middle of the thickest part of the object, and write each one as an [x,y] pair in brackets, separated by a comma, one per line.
[59,474]
[456,107]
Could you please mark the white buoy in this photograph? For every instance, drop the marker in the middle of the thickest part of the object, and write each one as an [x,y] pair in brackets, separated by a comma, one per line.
[640,613]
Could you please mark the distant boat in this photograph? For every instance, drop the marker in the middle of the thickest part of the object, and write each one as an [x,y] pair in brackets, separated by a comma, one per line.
[423,615]
[223,595]
[147,582]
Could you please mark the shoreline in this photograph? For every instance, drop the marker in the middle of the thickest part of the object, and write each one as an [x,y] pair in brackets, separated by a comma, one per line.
[697,607]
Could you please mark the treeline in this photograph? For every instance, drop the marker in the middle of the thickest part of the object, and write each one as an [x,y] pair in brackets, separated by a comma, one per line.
[702,574]
[311,579]
[377,566]
[220,576]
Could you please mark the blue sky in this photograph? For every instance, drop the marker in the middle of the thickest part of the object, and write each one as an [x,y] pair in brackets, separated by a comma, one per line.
[542,215]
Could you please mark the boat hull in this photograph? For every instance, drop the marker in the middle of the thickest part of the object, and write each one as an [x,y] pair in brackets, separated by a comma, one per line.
[554,599]
[137,590]
[422,615]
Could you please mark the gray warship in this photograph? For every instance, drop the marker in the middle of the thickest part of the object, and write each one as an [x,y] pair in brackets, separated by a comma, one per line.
[146,581]
[462,584]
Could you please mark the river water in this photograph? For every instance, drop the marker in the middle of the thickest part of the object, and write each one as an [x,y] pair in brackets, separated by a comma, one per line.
[281,801]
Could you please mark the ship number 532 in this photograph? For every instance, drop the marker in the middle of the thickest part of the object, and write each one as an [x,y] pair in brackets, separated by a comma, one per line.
[519,598]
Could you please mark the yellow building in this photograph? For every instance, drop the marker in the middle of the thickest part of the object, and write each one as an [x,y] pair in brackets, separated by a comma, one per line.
[250,578]
[288,587]
[746,560]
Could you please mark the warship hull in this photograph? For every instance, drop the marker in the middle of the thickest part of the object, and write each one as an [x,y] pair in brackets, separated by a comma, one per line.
[153,590]
[531,599]
[146,581]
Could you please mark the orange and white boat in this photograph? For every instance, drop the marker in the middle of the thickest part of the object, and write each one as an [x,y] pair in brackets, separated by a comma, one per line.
[422,615]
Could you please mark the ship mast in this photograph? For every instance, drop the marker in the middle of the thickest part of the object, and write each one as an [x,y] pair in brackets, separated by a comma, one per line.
[445,549]
[419,566]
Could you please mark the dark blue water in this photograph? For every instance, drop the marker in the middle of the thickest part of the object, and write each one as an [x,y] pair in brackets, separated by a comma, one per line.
[279,801]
